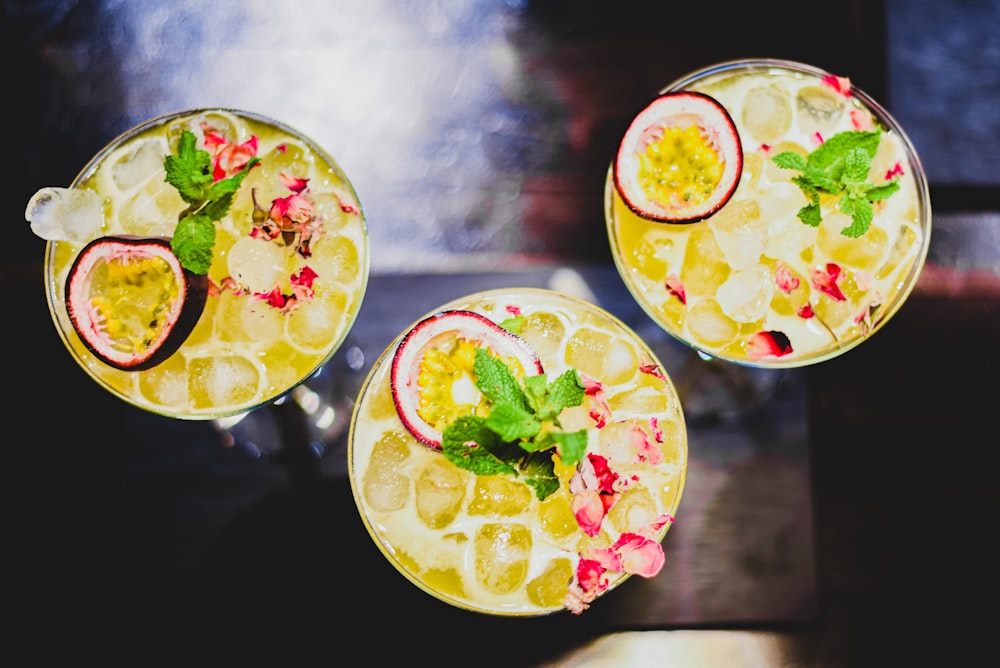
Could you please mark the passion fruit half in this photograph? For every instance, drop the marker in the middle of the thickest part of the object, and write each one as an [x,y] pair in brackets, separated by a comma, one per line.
[131,301]
[432,376]
[680,159]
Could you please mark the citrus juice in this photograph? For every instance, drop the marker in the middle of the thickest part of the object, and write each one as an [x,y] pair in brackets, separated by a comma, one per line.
[754,282]
[490,542]
[279,301]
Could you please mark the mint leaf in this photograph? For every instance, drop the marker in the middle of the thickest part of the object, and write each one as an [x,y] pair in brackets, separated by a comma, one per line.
[830,157]
[790,160]
[538,471]
[883,191]
[566,390]
[190,172]
[572,446]
[495,380]
[217,209]
[192,243]
[513,324]
[467,444]
[520,433]
[856,166]
[839,166]
[861,213]
[512,422]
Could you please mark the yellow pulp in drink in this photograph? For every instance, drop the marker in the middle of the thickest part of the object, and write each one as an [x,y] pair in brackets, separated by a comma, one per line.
[486,543]
[727,263]
[243,352]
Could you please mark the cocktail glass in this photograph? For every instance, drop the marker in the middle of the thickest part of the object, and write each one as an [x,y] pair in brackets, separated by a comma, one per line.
[753,283]
[288,267]
[491,543]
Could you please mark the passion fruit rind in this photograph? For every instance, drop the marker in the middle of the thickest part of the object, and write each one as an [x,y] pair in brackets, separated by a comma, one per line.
[680,160]
[437,331]
[138,273]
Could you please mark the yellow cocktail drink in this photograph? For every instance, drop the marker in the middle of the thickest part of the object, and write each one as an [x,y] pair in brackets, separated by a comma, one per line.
[570,501]
[786,247]
[204,263]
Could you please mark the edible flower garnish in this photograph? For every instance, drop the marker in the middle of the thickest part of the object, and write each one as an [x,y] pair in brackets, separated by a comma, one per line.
[637,553]
[769,343]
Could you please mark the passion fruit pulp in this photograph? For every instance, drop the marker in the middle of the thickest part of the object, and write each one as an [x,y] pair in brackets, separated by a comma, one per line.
[680,159]
[431,376]
[131,302]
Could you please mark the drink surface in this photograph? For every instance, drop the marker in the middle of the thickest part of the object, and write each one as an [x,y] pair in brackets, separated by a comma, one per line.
[245,349]
[754,268]
[486,542]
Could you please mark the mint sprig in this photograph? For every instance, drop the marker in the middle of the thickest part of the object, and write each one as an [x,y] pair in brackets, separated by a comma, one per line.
[839,166]
[190,172]
[522,431]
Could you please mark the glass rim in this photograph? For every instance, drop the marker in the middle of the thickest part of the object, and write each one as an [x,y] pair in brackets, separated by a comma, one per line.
[924,214]
[53,288]
[385,357]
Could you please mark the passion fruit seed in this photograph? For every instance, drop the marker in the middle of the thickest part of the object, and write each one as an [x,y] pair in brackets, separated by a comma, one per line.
[131,302]
[680,159]
[432,378]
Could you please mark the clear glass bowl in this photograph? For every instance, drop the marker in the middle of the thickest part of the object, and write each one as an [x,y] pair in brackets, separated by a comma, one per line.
[244,352]
[722,286]
[486,543]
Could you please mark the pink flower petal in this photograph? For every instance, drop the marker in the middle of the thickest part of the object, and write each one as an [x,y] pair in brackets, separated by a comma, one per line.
[294,183]
[676,287]
[640,555]
[840,84]
[588,509]
[862,120]
[784,278]
[590,575]
[767,343]
[826,279]
[645,450]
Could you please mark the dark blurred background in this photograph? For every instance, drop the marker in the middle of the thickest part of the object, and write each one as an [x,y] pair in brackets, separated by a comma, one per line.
[477,135]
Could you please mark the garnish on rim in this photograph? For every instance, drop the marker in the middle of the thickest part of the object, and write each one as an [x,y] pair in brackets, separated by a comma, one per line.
[680,159]
[839,166]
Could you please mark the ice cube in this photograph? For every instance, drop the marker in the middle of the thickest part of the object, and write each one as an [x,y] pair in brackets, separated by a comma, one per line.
[620,362]
[440,490]
[316,323]
[746,294]
[741,232]
[222,381]
[256,320]
[709,325]
[152,210]
[555,516]
[499,496]
[385,488]
[256,264]
[65,214]
[820,108]
[339,257]
[543,332]
[767,113]
[635,508]
[501,556]
[142,162]
[704,268]
[549,589]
